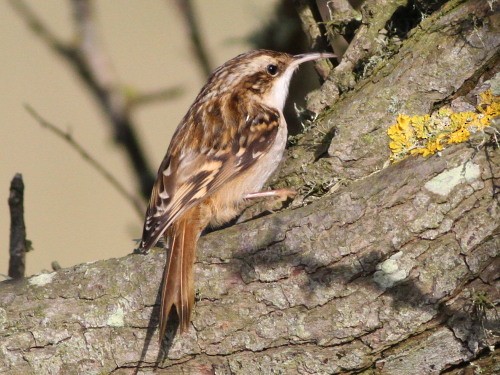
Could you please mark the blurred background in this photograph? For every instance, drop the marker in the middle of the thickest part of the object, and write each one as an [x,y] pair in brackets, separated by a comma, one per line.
[72,213]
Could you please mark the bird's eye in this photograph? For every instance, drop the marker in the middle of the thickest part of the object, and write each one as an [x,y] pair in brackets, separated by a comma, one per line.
[272,69]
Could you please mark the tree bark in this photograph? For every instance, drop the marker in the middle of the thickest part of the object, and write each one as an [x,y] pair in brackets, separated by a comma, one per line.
[18,245]
[394,272]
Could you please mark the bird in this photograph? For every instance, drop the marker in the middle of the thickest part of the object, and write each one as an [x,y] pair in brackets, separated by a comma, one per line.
[225,148]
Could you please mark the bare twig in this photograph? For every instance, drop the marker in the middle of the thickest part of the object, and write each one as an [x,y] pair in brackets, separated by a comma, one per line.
[18,243]
[155,96]
[202,57]
[90,62]
[109,91]
[38,27]
[134,201]
[96,61]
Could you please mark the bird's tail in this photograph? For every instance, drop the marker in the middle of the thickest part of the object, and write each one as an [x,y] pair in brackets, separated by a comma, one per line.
[178,278]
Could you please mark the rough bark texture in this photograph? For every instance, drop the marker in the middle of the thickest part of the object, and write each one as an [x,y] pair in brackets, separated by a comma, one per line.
[18,243]
[394,273]
[443,56]
[387,273]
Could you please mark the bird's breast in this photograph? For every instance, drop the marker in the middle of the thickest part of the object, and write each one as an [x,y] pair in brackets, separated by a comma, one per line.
[226,203]
[268,163]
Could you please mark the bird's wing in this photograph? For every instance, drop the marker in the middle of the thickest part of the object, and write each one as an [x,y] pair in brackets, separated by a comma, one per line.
[187,175]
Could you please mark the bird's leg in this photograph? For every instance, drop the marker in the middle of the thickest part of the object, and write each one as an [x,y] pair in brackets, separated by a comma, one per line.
[277,197]
[281,194]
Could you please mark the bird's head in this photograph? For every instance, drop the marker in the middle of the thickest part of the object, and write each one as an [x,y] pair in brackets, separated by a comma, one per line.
[263,73]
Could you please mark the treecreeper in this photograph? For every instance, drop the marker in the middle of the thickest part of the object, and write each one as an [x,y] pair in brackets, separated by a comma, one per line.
[225,148]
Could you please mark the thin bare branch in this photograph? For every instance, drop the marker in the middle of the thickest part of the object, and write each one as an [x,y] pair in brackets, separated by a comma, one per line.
[103,81]
[89,60]
[155,96]
[96,60]
[18,243]
[108,176]
[202,56]
[37,26]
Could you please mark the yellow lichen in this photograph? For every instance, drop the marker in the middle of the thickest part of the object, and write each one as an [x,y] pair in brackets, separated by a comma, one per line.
[425,135]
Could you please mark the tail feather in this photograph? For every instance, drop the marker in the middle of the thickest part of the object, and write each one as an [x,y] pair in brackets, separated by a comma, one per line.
[178,282]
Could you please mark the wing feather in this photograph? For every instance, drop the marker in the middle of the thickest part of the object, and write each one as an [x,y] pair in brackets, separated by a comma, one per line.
[185,178]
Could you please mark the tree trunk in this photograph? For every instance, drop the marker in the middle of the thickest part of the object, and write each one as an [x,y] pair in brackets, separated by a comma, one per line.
[394,272]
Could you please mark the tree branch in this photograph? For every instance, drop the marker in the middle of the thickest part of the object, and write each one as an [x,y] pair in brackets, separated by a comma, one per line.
[386,271]
[93,67]
[339,147]
[197,45]
[309,16]
[154,96]
[18,243]
[394,272]
[136,203]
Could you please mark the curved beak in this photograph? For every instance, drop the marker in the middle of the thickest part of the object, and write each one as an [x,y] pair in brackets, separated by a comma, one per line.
[299,59]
